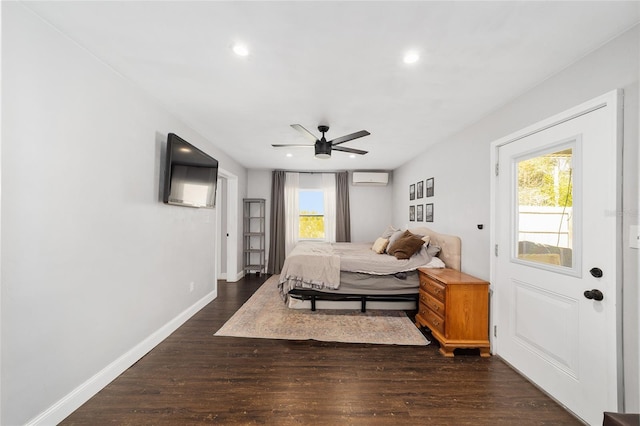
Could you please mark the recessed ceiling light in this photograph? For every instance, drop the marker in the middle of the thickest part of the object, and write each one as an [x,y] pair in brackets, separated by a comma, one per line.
[352,156]
[240,49]
[289,154]
[411,57]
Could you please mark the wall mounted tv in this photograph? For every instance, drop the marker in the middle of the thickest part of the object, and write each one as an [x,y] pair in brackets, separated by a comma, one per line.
[191,176]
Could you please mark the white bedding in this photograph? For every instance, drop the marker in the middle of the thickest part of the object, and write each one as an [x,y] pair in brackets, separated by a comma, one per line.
[358,257]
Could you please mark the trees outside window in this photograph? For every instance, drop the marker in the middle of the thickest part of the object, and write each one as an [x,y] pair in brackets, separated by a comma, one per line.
[545,199]
[311,215]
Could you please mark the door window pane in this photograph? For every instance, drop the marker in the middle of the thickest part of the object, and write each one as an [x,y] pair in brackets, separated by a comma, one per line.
[545,208]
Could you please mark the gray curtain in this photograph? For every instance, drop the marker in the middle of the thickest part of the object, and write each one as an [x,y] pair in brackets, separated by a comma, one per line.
[343,215]
[277,224]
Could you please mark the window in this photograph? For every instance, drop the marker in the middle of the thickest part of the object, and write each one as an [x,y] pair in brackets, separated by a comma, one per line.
[311,218]
[545,213]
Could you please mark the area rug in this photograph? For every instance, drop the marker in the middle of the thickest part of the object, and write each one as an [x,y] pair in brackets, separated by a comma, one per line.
[266,316]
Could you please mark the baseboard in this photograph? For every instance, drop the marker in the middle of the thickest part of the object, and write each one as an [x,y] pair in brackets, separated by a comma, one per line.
[238,277]
[71,402]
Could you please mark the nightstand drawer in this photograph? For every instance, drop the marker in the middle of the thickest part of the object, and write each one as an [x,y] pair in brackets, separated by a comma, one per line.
[434,322]
[436,289]
[433,303]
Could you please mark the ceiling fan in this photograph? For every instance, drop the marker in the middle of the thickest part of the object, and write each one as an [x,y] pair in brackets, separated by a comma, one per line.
[324,147]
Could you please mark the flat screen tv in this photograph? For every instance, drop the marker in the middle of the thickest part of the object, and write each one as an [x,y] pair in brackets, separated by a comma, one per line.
[191,176]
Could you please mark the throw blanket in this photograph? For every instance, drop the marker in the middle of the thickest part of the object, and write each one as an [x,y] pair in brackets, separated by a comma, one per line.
[310,265]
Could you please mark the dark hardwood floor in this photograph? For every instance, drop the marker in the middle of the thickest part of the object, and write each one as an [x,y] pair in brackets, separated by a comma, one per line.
[194,377]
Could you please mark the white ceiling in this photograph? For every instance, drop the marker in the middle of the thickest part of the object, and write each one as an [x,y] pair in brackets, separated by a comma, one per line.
[338,63]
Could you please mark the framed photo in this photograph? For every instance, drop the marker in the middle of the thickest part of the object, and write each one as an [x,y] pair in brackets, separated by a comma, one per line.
[429,184]
[412,191]
[429,213]
[412,213]
[419,190]
[419,213]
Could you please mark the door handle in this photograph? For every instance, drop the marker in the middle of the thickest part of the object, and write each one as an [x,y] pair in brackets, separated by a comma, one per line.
[594,294]
[596,272]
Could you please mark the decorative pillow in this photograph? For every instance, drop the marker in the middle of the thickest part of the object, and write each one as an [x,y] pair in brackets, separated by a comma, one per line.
[405,246]
[394,237]
[388,232]
[380,245]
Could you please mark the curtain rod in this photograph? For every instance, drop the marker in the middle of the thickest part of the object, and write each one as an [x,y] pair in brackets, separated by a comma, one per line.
[331,171]
[311,173]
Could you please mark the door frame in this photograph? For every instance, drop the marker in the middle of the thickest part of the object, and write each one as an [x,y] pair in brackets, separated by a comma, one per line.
[614,99]
[231,210]
[221,212]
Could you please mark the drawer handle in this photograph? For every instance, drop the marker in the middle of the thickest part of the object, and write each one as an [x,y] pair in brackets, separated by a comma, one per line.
[435,322]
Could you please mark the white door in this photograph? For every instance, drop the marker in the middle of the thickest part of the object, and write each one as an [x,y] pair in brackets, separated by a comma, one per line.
[555,270]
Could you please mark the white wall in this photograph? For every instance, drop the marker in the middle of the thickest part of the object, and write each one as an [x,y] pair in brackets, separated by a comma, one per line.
[95,269]
[371,210]
[462,171]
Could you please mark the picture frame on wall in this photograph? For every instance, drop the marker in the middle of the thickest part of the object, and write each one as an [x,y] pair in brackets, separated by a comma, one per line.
[429,185]
[419,213]
[412,213]
[420,189]
[428,212]
[412,191]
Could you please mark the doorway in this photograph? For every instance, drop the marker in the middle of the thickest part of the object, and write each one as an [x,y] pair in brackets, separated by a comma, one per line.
[227,227]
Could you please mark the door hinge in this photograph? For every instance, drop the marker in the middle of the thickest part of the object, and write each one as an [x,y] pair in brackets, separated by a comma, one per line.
[495,331]
[497,169]
[495,250]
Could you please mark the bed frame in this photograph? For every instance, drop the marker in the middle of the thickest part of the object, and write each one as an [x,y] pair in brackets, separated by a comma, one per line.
[450,254]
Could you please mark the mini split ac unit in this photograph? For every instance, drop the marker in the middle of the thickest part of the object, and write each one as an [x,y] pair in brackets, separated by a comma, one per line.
[370,178]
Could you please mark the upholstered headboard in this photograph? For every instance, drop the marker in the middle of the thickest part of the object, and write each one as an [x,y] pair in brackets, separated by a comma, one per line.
[450,246]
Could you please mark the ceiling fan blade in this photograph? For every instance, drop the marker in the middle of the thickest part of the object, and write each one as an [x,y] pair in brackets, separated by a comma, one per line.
[346,138]
[305,132]
[275,145]
[351,150]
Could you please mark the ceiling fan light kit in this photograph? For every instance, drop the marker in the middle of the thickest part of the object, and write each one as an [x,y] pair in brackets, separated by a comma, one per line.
[323,150]
[323,147]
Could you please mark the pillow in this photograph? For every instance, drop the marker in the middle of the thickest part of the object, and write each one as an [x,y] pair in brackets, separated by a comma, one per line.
[405,246]
[426,239]
[435,262]
[433,250]
[388,232]
[394,237]
[380,245]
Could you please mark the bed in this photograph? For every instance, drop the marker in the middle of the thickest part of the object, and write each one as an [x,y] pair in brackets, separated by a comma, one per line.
[352,275]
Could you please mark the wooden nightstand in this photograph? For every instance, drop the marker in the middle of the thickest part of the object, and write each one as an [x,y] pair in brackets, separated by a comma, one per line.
[455,307]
